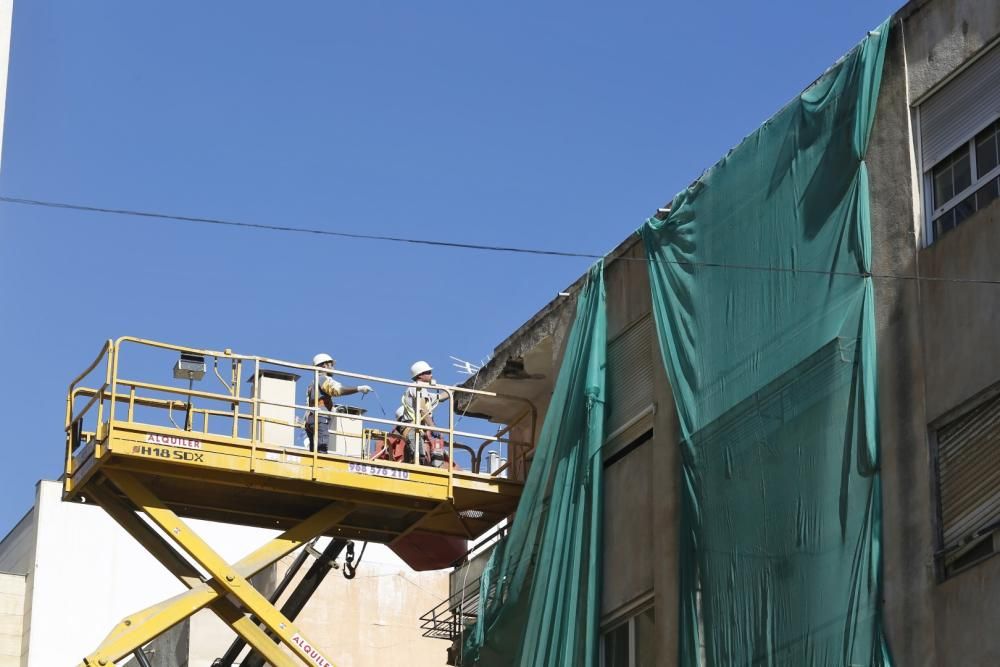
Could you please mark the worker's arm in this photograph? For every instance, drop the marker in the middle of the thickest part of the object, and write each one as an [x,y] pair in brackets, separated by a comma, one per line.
[334,388]
[441,396]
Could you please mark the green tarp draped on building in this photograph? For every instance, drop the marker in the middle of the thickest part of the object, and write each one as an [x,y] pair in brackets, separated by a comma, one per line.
[773,373]
[763,301]
[540,592]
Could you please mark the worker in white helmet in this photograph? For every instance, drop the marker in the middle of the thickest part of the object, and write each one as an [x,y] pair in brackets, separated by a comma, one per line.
[322,398]
[421,401]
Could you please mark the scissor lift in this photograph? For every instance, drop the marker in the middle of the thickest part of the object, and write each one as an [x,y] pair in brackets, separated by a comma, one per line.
[126,453]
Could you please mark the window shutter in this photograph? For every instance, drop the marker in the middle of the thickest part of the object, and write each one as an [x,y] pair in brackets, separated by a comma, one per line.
[961,108]
[969,473]
[630,374]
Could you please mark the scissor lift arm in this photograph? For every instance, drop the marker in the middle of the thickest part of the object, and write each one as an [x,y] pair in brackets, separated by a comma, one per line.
[297,599]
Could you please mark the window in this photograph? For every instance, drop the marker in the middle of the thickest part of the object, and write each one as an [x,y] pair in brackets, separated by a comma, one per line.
[631,643]
[960,145]
[965,181]
[630,376]
[967,460]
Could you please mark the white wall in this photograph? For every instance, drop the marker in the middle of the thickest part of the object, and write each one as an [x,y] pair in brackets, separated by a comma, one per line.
[11,618]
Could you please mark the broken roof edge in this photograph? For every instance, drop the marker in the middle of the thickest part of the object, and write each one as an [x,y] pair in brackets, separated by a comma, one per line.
[544,323]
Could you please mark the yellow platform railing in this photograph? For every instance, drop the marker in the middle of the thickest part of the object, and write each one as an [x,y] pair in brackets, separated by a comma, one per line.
[121,388]
[93,407]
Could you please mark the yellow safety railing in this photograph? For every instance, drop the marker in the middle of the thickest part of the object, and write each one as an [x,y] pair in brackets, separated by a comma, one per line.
[116,391]
[74,421]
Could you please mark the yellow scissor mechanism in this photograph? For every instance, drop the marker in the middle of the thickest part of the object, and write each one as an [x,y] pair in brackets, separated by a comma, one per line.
[228,471]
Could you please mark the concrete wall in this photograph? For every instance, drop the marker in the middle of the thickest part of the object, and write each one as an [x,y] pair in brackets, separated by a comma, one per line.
[373,619]
[907,513]
[936,343]
[17,549]
[12,588]
[962,358]
[640,501]
[942,35]
[641,493]
[961,321]
[172,648]
[628,529]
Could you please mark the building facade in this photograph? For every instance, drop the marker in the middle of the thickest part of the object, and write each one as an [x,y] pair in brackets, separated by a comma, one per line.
[934,167]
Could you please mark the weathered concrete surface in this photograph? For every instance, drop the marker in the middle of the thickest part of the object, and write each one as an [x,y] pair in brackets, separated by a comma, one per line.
[942,35]
[628,529]
[967,615]
[374,618]
[908,539]
[641,496]
[936,349]
[666,513]
[640,506]
[962,358]
[936,344]
[961,320]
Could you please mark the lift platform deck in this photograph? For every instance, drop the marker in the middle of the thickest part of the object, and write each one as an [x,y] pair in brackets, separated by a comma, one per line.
[226,480]
[234,458]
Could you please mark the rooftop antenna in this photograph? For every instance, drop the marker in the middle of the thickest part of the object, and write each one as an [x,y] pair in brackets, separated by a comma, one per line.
[467,367]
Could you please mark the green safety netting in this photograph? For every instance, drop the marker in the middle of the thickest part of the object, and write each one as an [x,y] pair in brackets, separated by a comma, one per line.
[763,299]
[772,366]
[540,592]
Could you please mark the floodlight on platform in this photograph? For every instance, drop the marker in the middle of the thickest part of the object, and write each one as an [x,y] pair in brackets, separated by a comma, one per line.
[190,367]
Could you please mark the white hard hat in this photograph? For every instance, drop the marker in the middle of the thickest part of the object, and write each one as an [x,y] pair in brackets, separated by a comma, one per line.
[419,368]
[321,358]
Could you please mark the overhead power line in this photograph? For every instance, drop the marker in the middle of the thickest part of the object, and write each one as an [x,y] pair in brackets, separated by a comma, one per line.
[296,230]
[474,246]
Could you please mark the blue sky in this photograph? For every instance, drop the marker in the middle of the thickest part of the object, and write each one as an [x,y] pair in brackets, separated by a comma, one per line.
[553,125]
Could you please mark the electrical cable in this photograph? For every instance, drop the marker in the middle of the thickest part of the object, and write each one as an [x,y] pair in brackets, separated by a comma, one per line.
[483,247]
[287,228]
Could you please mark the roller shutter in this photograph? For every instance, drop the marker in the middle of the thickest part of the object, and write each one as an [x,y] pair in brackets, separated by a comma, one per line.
[969,474]
[630,374]
[965,105]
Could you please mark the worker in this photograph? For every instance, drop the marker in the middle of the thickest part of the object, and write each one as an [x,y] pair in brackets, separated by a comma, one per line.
[422,401]
[323,399]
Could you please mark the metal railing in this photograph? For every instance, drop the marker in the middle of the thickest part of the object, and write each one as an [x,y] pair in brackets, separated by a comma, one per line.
[102,404]
[450,617]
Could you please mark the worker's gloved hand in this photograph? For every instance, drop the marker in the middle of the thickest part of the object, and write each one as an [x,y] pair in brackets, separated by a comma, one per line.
[364,389]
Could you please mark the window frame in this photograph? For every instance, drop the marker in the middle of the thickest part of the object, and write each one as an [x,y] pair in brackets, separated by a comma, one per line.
[932,213]
[944,570]
[627,616]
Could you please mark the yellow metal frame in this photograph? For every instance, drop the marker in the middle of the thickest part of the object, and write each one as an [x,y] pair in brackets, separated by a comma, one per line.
[306,494]
[227,591]
[107,397]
